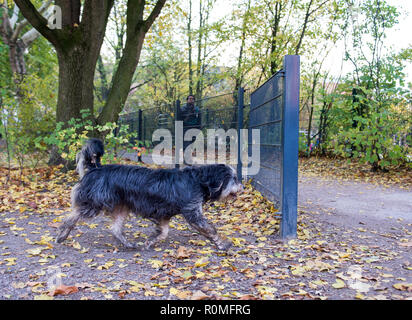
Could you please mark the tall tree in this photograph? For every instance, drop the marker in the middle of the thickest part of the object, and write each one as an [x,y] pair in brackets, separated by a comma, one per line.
[202,44]
[78,44]
[11,30]
[239,73]
[189,44]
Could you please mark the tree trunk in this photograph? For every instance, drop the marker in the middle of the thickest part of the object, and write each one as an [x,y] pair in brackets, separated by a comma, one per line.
[199,52]
[122,79]
[78,47]
[305,24]
[103,89]
[189,43]
[76,74]
[239,72]
[309,136]
[274,40]
[136,31]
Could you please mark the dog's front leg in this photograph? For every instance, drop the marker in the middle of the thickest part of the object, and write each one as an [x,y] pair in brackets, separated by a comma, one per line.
[68,225]
[206,229]
[162,230]
[119,216]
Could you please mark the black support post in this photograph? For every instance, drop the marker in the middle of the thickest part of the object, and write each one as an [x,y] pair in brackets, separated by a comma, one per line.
[140,122]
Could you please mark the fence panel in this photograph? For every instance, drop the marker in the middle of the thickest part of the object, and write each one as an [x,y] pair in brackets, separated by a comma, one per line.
[145,122]
[274,110]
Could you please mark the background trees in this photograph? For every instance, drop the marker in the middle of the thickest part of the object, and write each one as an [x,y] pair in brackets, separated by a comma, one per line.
[371,118]
[78,46]
[120,56]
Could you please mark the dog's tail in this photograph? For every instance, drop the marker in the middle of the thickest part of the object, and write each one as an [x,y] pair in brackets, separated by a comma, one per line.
[89,157]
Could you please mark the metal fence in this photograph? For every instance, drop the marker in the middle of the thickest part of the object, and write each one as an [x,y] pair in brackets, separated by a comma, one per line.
[145,122]
[217,112]
[273,109]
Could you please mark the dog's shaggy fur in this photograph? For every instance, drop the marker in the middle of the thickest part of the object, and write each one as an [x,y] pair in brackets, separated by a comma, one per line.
[155,194]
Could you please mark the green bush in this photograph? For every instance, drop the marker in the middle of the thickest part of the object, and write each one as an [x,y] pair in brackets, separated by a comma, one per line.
[69,140]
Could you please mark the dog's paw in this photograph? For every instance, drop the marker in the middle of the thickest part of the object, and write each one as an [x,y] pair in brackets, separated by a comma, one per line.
[224,245]
[59,240]
[130,246]
[61,237]
[149,244]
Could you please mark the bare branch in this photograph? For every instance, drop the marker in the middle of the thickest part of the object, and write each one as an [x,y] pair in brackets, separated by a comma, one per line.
[29,37]
[139,85]
[153,15]
[22,24]
[38,21]
[5,28]
[15,16]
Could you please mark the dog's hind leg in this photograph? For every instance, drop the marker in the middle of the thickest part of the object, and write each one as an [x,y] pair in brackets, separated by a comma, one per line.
[162,230]
[68,225]
[207,230]
[119,216]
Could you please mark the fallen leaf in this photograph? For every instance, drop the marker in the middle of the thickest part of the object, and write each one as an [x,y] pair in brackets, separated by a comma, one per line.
[182,253]
[156,264]
[64,290]
[403,286]
[43,297]
[339,284]
[406,244]
[202,262]
[199,295]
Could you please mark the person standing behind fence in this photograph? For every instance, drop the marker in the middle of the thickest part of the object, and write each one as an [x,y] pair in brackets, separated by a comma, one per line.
[190,114]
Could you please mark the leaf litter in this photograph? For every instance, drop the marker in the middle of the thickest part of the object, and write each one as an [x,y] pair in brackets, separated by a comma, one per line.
[324,262]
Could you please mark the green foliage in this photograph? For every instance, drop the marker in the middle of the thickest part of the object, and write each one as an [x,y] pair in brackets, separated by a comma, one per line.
[373,126]
[26,115]
[70,139]
[367,116]
[376,139]
[303,146]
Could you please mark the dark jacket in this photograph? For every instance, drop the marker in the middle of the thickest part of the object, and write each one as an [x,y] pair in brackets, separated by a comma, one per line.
[191,117]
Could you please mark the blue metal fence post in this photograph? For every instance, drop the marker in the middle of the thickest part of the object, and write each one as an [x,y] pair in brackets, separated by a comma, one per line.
[240,106]
[290,138]
[177,118]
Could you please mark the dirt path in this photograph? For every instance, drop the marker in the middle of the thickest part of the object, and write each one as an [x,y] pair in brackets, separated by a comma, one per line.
[352,203]
[354,242]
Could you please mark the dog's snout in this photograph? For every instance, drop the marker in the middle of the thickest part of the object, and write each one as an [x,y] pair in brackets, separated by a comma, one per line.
[238,187]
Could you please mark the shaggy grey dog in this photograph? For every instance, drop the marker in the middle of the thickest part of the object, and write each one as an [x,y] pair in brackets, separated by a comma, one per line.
[155,194]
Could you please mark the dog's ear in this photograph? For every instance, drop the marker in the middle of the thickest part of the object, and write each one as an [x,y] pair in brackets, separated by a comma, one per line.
[212,188]
[211,179]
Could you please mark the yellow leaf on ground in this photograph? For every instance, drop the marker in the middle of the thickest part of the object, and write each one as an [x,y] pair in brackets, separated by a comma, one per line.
[201,262]
[156,263]
[403,286]
[339,284]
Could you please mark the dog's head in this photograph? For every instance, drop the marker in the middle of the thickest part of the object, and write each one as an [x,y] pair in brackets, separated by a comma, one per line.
[219,181]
